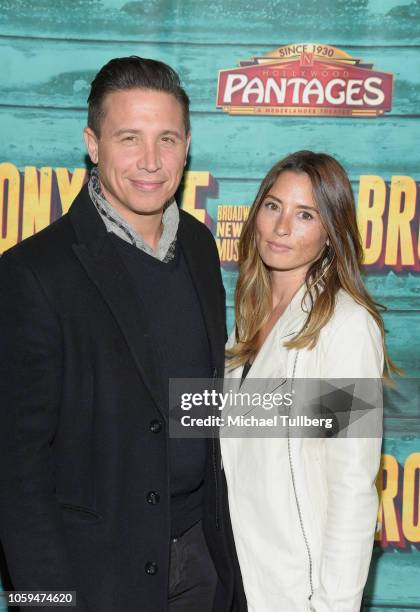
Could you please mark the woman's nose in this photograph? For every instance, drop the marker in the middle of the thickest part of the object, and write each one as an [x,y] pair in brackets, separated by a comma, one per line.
[283,225]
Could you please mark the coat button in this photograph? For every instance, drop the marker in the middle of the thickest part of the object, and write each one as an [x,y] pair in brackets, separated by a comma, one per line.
[153,498]
[151,568]
[156,426]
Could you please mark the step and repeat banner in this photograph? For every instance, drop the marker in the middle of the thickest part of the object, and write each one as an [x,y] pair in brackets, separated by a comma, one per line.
[265,79]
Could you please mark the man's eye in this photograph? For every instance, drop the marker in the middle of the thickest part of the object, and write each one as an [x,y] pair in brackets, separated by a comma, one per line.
[168,139]
[129,138]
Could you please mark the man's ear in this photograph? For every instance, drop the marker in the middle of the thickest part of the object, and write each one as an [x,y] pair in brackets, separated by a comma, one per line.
[91,142]
[188,147]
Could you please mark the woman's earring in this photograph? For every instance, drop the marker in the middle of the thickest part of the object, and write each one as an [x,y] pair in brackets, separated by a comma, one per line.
[326,264]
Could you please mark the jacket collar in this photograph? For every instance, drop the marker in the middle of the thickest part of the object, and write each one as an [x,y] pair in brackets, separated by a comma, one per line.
[88,226]
[271,361]
[295,315]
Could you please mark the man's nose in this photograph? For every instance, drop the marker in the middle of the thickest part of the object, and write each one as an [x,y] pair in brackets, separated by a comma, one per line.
[149,159]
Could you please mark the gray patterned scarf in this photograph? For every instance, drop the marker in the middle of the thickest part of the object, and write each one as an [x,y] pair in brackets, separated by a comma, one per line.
[117,225]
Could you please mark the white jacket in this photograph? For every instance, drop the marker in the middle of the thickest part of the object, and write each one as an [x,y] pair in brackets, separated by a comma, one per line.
[304,510]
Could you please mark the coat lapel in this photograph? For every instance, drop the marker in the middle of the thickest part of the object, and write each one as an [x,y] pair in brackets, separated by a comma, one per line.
[98,257]
[208,296]
[269,371]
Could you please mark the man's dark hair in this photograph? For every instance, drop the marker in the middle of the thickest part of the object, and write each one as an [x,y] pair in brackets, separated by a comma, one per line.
[122,73]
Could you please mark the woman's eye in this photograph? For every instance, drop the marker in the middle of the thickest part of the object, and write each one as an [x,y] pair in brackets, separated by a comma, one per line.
[271,205]
[306,216]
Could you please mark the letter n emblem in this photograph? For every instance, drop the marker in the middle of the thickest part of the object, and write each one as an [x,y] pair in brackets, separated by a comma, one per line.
[306,59]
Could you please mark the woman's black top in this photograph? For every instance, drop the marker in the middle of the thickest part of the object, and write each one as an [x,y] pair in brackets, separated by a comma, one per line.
[246,369]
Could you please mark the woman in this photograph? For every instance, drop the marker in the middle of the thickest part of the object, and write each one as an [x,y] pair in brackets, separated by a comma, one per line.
[303,510]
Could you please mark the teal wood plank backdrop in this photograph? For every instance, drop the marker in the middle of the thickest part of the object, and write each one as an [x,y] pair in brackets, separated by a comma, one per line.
[237,22]
[246,146]
[49,52]
[59,73]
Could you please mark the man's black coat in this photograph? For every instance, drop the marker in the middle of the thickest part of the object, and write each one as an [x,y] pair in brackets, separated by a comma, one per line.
[82,430]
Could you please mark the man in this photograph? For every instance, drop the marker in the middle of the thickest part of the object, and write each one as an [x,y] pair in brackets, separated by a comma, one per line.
[97,312]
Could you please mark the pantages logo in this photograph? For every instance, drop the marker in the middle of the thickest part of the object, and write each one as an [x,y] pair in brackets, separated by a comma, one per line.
[305,79]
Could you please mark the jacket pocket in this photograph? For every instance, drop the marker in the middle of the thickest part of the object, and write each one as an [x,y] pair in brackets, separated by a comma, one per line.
[81,512]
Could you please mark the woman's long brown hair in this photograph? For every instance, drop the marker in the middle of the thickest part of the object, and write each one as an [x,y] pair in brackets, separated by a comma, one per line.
[338,267]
